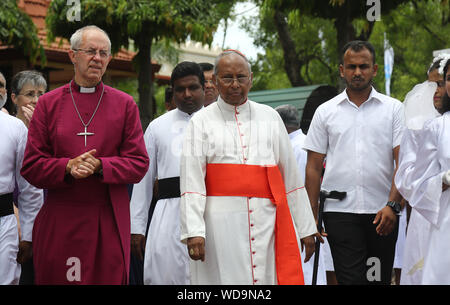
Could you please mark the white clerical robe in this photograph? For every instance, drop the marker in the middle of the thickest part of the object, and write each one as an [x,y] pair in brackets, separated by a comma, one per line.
[238,231]
[30,200]
[418,231]
[166,259]
[433,160]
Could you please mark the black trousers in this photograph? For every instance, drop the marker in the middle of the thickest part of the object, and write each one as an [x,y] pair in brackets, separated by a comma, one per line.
[360,255]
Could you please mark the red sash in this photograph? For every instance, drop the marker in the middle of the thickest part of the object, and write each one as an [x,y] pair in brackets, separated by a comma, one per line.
[262,182]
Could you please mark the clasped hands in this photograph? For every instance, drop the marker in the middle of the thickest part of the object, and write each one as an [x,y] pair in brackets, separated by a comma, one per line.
[84,165]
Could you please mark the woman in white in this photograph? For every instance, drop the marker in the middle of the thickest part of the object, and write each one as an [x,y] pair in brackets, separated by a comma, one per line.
[430,181]
[420,104]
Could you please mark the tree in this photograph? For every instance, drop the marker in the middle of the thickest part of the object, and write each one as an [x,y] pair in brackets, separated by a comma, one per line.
[144,22]
[350,19]
[17,29]
[301,48]
[415,29]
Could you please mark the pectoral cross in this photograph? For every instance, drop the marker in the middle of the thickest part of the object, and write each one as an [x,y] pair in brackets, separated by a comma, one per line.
[85,134]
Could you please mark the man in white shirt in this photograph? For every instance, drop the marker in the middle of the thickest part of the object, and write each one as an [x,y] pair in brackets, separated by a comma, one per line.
[359,131]
[166,259]
[30,200]
[211,93]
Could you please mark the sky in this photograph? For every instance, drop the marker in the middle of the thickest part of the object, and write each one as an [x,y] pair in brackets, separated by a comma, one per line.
[237,38]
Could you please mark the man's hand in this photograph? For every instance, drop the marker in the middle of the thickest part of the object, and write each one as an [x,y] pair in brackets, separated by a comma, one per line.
[196,248]
[25,252]
[138,245]
[308,243]
[84,165]
[386,219]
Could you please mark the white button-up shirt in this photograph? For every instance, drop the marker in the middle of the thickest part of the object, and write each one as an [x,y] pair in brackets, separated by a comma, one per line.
[358,143]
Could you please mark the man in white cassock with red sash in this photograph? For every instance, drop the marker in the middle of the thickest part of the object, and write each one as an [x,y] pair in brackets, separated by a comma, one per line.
[166,261]
[244,210]
[85,144]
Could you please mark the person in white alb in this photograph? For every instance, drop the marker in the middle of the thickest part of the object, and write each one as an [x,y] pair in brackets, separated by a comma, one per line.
[243,204]
[166,261]
[431,181]
[12,146]
[421,104]
[359,132]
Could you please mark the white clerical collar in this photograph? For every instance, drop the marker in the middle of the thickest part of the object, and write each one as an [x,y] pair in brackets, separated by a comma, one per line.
[87,89]
[81,89]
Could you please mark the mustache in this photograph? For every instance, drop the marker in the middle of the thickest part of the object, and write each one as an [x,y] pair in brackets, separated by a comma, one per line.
[357,78]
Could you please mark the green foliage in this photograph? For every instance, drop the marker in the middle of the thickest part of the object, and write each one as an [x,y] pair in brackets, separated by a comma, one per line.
[141,19]
[414,29]
[17,29]
[315,42]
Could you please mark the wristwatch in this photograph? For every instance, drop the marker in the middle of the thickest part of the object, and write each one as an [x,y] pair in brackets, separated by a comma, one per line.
[395,206]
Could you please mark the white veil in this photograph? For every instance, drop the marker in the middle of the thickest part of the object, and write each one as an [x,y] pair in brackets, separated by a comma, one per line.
[419,106]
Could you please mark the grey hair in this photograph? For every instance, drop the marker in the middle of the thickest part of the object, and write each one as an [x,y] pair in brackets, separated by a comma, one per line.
[1,74]
[22,78]
[289,115]
[76,38]
[229,52]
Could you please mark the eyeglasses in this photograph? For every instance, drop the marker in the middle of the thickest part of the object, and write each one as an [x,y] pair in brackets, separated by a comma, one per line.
[242,80]
[31,94]
[92,52]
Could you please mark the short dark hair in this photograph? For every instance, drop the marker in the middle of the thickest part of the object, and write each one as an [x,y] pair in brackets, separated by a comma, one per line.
[187,68]
[357,46]
[445,98]
[206,66]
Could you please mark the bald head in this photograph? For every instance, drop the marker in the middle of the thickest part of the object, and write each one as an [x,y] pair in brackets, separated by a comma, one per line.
[231,53]
[232,77]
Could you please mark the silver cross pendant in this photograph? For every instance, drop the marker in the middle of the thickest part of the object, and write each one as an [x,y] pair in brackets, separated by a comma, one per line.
[85,134]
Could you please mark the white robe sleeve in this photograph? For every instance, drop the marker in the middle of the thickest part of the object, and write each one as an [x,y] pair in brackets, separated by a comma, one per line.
[297,197]
[30,198]
[142,195]
[404,177]
[192,181]
[428,175]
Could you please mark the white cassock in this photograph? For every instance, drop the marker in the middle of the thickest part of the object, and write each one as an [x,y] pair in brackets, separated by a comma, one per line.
[297,139]
[433,160]
[12,147]
[238,231]
[166,259]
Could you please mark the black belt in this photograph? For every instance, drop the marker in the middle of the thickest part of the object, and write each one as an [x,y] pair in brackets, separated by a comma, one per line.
[169,188]
[6,204]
